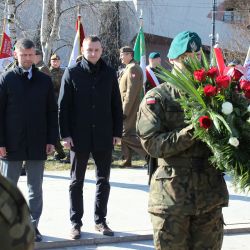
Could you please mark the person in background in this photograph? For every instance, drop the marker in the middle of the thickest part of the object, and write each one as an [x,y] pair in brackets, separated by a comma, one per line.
[130,84]
[152,81]
[90,119]
[29,126]
[38,61]
[186,192]
[56,73]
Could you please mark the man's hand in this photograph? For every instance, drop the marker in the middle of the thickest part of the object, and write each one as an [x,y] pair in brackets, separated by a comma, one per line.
[50,149]
[68,142]
[3,152]
[116,141]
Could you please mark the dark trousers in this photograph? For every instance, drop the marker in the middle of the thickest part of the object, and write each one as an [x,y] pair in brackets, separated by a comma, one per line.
[79,161]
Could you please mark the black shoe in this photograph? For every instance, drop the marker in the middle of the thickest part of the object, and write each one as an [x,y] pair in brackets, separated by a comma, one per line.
[104,229]
[59,157]
[38,236]
[75,232]
[66,161]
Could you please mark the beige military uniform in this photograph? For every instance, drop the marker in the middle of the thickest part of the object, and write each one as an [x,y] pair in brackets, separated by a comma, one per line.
[130,83]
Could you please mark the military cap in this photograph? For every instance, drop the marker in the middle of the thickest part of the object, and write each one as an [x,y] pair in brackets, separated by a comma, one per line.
[154,55]
[55,57]
[185,41]
[39,52]
[126,49]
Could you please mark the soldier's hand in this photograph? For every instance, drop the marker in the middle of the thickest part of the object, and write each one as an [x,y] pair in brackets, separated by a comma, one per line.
[50,149]
[68,142]
[3,152]
[116,141]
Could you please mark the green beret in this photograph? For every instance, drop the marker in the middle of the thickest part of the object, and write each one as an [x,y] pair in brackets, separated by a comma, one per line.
[55,57]
[126,49]
[154,55]
[185,41]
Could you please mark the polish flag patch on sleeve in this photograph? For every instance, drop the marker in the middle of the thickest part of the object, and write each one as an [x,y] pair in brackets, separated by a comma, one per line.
[150,100]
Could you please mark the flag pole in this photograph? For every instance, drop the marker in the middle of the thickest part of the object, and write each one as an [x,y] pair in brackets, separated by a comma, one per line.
[4,23]
[141,18]
[78,26]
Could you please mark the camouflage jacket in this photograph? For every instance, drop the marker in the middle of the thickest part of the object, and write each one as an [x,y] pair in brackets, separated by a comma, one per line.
[56,76]
[184,180]
[43,68]
[16,230]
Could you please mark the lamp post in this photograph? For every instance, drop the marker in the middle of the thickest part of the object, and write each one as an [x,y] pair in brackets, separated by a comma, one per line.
[213,26]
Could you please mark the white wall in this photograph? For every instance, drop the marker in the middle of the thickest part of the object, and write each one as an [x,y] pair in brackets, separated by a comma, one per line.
[169,17]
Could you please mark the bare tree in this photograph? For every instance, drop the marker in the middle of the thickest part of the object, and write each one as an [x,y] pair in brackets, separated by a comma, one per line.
[110,33]
[240,21]
[49,26]
[11,9]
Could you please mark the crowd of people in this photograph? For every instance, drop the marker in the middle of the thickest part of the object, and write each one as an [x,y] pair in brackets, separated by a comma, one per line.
[186,193]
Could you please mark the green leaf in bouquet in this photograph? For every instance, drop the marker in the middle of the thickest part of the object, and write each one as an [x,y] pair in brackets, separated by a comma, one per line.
[189,87]
[181,82]
[204,60]
[217,118]
[231,119]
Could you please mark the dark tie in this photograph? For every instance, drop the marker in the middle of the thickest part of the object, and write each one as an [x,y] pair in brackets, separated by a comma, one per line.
[25,74]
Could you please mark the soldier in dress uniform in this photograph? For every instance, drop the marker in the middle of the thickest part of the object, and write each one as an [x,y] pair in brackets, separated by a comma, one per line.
[130,84]
[187,193]
[152,80]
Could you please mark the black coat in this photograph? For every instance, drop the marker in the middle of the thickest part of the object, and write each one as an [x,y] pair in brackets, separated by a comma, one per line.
[90,109]
[28,114]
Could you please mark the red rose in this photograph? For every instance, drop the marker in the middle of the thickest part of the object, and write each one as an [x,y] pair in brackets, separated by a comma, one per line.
[212,72]
[210,90]
[223,81]
[233,72]
[205,122]
[200,75]
[244,84]
[236,75]
[247,94]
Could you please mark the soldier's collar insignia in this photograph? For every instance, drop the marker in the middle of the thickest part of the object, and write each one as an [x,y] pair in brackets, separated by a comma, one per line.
[150,100]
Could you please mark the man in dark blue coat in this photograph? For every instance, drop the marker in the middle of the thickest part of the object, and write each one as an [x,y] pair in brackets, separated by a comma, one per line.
[28,127]
[90,119]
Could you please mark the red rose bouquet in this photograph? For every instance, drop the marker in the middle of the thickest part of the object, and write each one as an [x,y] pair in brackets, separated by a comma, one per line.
[216,101]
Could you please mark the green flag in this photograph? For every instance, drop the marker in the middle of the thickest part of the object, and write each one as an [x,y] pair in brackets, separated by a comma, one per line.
[140,52]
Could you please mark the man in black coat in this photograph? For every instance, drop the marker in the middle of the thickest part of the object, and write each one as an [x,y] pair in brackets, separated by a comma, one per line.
[90,119]
[28,124]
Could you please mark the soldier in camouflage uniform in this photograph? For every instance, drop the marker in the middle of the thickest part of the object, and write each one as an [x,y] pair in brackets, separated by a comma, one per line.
[186,193]
[40,64]
[16,230]
[56,76]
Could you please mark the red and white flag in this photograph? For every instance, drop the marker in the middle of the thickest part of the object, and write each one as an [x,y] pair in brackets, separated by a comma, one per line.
[151,77]
[6,48]
[76,51]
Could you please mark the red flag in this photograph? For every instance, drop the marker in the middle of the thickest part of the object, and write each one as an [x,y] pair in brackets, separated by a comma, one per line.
[220,60]
[6,48]
[76,51]
[79,28]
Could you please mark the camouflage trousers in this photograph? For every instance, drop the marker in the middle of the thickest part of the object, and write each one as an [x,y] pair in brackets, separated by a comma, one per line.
[191,232]
[16,230]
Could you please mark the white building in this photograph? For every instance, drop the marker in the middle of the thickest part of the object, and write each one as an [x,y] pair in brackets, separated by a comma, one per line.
[163,19]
